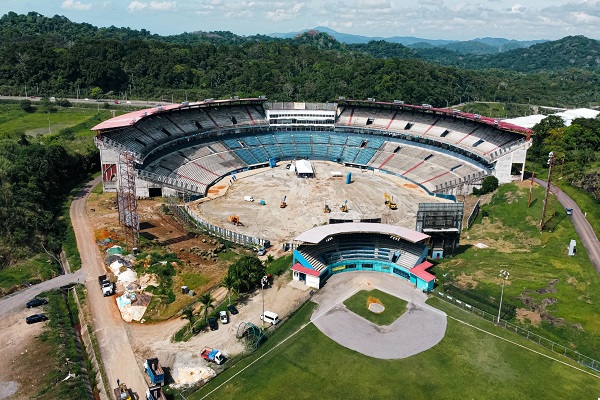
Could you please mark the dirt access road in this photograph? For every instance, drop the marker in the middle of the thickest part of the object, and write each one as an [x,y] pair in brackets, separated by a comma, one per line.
[115,348]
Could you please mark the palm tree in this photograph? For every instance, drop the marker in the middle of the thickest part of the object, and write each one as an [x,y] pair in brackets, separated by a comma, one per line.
[206,300]
[188,313]
[229,283]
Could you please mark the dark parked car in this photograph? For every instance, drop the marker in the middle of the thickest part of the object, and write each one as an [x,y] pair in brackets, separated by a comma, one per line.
[32,319]
[36,302]
[212,324]
[232,309]
[288,166]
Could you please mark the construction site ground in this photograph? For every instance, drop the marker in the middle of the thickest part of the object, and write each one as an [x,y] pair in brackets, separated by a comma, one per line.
[306,199]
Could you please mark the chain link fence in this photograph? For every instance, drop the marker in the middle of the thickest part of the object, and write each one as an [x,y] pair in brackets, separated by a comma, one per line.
[534,337]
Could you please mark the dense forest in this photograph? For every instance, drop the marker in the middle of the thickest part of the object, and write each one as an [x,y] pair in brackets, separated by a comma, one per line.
[55,57]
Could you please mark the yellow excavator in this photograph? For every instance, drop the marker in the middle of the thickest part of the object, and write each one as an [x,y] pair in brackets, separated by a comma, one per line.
[344,206]
[389,202]
[234,219]
[326,210]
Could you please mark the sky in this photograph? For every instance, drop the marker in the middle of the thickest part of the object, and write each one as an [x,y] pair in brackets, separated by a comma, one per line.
[431,19]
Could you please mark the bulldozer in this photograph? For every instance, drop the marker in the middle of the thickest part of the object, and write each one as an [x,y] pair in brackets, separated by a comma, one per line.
[326,210]
[234,219]
[283,203]
[389,202]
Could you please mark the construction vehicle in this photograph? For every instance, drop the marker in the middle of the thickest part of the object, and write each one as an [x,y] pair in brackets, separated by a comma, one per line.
[234,219]
[344,208]
[283,203]
[122,392]
[327,209]
[154,370]
[212,355]
[389,202]
[155,393]
[108,287]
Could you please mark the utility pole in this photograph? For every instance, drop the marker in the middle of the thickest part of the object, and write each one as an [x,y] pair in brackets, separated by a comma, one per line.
[544,220]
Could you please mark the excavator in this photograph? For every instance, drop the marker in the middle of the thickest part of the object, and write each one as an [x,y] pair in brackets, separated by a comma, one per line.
[234,219]
[389,202]
[344,207]
[283,203]
[326,210]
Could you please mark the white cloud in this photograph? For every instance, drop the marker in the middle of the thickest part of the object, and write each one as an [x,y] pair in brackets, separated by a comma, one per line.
[517,8]
[136,6]
[75,5]
[285,13]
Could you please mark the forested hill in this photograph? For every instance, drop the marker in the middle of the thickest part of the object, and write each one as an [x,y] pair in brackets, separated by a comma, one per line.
[59,57]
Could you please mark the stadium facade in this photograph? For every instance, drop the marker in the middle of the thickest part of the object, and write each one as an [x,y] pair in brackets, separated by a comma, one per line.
[184,149]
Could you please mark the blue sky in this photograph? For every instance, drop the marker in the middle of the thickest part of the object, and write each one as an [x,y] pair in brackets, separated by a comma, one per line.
[433,19]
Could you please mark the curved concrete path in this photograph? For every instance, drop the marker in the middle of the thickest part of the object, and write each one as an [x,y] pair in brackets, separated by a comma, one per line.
[420,328]
[582,226]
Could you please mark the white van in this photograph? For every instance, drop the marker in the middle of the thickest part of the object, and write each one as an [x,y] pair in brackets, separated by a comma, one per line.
[248,198]
[271,317]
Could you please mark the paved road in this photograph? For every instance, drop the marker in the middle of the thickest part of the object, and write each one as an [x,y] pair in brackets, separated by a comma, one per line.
[115,347]
[582,226]
[17,300]
[133,103]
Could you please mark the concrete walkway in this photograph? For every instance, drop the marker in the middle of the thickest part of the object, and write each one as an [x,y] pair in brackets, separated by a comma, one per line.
[420,328]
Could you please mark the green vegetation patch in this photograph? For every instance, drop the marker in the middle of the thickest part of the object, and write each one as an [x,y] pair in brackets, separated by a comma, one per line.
[280,265]
[33,270]
[194,281]
[553,293]
[467,363]
[393,306]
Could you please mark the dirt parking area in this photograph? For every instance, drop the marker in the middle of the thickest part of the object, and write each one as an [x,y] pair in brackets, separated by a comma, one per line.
[21,353]
[306,199]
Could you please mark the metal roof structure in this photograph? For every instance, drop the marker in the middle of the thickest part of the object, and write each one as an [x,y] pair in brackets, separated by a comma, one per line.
[131,118]
[319,233]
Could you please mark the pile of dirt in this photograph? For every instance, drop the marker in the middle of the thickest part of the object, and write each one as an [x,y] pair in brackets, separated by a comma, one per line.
[537,312]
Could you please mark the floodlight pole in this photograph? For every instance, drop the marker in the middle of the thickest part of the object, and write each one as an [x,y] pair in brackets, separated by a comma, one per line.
[262,289]
[504,276]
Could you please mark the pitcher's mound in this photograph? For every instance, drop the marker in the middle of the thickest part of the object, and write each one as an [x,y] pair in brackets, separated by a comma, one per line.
[376,308]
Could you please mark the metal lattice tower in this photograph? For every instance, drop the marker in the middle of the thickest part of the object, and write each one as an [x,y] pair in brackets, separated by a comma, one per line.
[549,201]
[127,200]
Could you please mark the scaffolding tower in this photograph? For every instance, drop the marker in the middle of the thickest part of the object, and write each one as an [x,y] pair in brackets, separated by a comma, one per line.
[127,200]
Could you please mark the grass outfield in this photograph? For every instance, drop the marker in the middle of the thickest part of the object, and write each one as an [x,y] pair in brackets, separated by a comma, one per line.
[394,306]
[467,364]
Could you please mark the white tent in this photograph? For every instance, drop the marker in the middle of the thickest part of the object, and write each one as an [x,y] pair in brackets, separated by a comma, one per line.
[303,167]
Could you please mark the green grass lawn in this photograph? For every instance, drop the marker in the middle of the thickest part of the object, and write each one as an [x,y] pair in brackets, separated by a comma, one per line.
[467,363]
[394,307]
[34,270]
[13,118]
[533,259]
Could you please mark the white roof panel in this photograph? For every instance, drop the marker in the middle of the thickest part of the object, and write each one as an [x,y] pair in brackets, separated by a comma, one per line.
[319,233]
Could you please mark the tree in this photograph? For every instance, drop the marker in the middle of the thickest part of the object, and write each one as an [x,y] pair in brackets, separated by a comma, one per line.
[96,92]
[489,184]
[188,313]
[229,283]
[26,106]
[206,300]
[247,272]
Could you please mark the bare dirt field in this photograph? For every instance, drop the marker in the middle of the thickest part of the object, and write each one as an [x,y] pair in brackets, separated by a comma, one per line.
[306,199]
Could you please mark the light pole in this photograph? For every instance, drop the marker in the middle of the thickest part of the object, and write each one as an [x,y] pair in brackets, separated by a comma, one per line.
[504,276]
[263,281]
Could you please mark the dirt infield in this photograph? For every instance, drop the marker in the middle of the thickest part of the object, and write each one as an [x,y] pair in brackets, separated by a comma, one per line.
[417,330]
[306,200]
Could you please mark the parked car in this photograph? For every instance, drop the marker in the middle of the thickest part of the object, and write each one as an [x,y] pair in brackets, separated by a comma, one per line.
[212,324]
[223,317]
[569,211]
[36,302]
[32,319]
[232,309]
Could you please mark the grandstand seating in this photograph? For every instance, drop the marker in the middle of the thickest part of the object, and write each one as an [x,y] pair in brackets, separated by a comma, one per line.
[361,246]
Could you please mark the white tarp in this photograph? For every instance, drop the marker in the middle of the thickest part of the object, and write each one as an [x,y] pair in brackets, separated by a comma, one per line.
[304,167]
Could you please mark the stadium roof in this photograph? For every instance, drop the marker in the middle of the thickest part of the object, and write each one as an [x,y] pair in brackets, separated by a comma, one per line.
[420,271]
[529,121]
[308,271]
[506,125]
[319,233]
[131,118]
